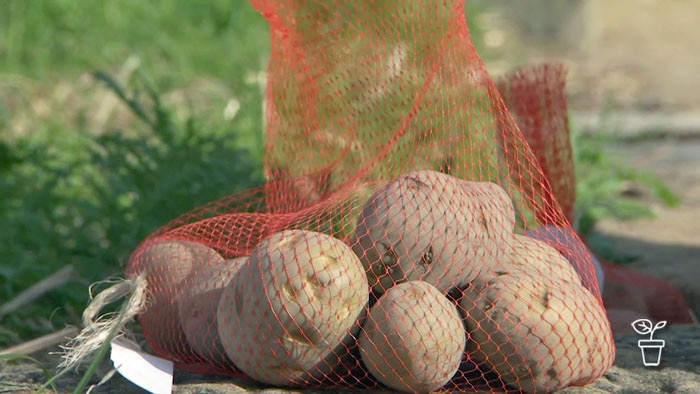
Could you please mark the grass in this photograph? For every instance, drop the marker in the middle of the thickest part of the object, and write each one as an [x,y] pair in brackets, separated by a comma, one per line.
[85,192]
[19,357]
[119,116]
[600,183]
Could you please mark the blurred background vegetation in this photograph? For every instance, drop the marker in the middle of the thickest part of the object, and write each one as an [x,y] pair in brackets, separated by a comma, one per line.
[116,117]
[86,174]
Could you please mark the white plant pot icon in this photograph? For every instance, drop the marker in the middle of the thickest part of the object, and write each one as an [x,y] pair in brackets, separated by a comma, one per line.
[651,348]
[651,351]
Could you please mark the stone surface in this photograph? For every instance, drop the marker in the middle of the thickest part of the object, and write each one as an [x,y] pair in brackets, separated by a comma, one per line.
[678,372]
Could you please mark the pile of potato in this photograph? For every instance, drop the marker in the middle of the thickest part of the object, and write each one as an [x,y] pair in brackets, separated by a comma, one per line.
[434,278]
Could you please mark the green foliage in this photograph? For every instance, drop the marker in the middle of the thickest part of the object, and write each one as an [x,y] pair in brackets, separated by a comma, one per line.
[180,39]
[600,181]
[20,357]
[72,194]
[88,200]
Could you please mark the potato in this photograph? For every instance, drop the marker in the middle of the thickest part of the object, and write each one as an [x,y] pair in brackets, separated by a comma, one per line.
[538,259]
[433,227]
[289,314]
[168,263]
[540,334]
[413,339]
[198,306]
[566,242]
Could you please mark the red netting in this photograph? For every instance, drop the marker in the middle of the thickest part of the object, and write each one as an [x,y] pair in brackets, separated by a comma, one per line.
[392,244]
[536,98]
[645,296]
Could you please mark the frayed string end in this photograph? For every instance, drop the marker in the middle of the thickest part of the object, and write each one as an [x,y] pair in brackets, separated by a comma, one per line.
[99,329]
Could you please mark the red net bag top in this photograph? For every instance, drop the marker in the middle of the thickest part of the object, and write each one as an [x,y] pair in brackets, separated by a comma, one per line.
[536,98]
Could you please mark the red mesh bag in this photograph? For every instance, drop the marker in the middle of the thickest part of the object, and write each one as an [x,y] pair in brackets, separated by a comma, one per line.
[536,96]
[389,246]
[655,297]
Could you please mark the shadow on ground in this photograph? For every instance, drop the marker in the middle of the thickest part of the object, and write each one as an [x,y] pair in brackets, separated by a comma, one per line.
[677,264]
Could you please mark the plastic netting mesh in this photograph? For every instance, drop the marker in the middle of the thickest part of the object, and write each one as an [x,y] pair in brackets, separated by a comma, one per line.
[537,101]
[389,246]
[536,98]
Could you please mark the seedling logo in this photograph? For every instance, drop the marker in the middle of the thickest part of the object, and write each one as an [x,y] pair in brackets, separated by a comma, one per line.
[651,348]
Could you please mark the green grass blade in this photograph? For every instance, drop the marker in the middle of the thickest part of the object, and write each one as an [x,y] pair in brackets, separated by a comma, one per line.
[12,357]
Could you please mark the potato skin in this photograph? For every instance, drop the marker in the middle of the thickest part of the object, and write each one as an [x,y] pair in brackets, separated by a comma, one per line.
[287,316]
[168,263]
[540,334]
[566,241]
[430,226]
[536,258]
[198,305]
[413,339]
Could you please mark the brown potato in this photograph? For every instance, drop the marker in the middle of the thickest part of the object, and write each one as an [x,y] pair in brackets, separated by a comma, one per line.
[567,242]
[432,227]
[413,339]
[289,314]
[198,306]
[539,333]
[538,259]
[168,263]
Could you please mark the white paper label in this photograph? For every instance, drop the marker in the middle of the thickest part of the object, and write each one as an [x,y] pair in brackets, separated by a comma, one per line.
[151,373]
